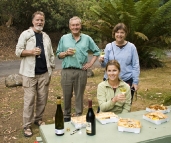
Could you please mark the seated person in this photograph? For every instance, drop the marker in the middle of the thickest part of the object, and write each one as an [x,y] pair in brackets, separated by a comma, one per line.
[109,95]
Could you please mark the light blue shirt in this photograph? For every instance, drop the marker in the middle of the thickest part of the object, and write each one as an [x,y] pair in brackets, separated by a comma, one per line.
[127,58]
[82,46]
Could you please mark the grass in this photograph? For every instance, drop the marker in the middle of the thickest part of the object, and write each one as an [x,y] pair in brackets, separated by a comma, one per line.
[154,87]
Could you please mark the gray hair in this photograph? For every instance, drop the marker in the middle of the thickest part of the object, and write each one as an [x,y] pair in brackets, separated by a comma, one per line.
[74,18]
[38,12]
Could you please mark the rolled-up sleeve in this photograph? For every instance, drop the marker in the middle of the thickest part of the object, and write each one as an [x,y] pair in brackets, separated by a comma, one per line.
[20,45]
[52,59]
[94,48]
[59,48]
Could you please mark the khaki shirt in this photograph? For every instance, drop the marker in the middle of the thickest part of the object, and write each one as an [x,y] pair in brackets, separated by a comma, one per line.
[105,93]
[27,41]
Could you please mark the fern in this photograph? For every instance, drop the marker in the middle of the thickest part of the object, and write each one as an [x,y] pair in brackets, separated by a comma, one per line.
[148,22]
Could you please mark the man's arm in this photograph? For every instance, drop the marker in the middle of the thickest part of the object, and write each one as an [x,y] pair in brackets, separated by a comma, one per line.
[89,64]
[33,52]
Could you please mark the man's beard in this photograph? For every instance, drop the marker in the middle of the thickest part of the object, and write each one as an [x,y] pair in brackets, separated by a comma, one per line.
[39,28]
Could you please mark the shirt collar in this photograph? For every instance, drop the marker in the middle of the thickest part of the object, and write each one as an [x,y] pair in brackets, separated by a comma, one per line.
[73,36]
[121,83]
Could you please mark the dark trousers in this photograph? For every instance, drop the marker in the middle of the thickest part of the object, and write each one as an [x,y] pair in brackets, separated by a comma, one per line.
[130,81]
[73,80]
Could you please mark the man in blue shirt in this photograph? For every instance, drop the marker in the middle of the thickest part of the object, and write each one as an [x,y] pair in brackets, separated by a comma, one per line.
[73,50]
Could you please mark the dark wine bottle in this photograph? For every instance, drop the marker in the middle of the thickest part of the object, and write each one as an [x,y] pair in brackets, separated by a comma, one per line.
[59,119]
[91,120]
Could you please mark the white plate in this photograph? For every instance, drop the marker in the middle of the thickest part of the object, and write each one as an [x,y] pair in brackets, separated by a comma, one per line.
[78,125]
[132,130]
[163,111]
[106,121]
[157,122]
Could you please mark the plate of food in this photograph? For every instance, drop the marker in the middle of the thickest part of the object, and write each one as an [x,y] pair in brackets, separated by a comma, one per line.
[106,117]
[156,117]
[79,121]
[129,125]
[157,107]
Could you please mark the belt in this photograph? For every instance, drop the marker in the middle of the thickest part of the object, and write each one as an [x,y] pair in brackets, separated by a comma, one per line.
[72,68]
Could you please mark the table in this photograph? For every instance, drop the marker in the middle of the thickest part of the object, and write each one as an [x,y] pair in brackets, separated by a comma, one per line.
[150,133]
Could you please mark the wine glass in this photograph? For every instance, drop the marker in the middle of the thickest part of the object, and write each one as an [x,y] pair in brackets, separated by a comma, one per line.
[74,50]
[123,91]
[102,53]
[40,52]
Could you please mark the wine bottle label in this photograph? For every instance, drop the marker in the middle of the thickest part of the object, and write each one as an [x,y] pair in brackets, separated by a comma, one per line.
[88,127]
[59,131]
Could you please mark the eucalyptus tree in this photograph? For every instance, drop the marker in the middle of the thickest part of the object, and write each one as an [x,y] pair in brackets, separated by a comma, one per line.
[148,21]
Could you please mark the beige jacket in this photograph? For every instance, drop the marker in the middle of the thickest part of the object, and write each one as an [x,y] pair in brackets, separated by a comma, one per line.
[105,93]
[27,40]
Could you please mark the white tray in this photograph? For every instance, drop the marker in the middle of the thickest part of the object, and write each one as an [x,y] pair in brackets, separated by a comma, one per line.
[79,122]
[163,111]
[157,122]
[106,121]
[78,125]
[133,130]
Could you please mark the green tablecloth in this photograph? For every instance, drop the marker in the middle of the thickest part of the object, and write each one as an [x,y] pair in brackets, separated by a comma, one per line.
[109,133]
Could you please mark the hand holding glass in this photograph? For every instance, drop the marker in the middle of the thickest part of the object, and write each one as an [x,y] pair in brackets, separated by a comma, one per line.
[39,47]
[123,91]
[102,53]
[74,51]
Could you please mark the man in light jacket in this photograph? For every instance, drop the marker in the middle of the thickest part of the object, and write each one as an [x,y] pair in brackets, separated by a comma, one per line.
[35,49]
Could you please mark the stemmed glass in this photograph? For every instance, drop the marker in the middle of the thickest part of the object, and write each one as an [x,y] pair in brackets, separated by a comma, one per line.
[74,50]
[40,50]
[123,91]
[102,53]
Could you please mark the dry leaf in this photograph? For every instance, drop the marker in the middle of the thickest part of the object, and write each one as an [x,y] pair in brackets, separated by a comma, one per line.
[14,138]
[158,93]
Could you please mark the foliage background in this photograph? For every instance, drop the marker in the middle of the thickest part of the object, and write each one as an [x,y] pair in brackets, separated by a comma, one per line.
[154,83]
[148,21]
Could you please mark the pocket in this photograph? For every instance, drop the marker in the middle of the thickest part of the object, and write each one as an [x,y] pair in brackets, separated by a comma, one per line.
[26,82]
[47,79]
[83,77]
[31,43]
[63,76]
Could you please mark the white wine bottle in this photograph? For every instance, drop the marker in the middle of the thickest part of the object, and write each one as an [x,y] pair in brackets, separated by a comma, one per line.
[59,119]
[91,120]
